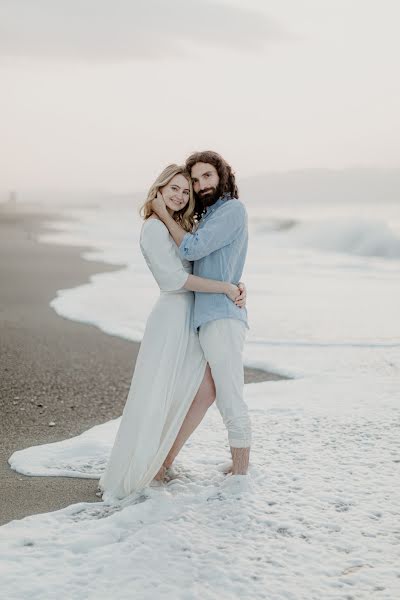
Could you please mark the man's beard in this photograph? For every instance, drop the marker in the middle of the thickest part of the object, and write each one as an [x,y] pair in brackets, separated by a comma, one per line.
[209,196]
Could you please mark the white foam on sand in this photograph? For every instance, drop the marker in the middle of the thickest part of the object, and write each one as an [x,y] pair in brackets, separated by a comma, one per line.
[318,517]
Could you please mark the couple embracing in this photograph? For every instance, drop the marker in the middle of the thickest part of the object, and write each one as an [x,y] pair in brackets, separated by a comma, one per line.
[194,239]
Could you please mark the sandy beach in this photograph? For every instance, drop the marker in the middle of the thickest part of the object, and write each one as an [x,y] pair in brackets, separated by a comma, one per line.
[52,370]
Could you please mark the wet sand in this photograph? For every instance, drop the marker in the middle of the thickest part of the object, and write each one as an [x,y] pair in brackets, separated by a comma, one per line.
[52,370]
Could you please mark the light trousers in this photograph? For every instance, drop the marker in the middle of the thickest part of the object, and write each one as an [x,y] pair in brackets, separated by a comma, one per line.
[222,342]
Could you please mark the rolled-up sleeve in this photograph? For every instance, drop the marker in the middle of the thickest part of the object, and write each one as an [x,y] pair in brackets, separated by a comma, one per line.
[223,226]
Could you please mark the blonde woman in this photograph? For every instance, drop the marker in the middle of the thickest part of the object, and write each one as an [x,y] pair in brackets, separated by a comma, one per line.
[172,386]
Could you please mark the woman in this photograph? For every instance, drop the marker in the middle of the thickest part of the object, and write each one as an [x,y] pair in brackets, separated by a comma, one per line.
[171,372]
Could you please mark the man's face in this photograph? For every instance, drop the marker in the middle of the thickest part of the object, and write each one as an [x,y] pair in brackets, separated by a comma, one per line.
[205,182]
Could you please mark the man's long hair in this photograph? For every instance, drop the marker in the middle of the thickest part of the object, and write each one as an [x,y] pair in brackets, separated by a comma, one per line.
[227,184]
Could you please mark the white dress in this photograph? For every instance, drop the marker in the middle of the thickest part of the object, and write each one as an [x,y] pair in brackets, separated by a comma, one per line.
[169,370]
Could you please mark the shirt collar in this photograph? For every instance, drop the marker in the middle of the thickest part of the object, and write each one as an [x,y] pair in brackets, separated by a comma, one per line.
[221,200]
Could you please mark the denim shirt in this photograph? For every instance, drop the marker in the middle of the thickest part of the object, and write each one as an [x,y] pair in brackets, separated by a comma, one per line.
[218,248]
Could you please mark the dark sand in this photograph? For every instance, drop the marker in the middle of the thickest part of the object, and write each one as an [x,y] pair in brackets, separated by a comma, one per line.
[51,368]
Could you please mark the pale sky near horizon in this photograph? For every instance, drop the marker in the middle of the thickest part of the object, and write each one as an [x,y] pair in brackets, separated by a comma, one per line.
[101,94]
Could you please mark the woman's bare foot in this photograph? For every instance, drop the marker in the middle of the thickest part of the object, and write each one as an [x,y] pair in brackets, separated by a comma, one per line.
[170,474]
[161,474]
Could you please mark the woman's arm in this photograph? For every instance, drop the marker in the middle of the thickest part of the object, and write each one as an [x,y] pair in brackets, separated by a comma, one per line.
[212,286]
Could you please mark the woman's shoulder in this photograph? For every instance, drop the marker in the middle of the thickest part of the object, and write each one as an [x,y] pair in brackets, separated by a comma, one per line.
[149,224]
[153,229]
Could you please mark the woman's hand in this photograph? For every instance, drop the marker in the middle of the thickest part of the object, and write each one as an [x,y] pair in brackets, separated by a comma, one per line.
[232,291]
[241,301]
[158,205]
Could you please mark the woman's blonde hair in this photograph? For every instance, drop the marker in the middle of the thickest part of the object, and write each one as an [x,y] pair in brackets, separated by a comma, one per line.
[184,217]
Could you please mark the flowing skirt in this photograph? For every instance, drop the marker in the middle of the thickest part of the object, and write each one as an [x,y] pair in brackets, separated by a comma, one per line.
[169,370]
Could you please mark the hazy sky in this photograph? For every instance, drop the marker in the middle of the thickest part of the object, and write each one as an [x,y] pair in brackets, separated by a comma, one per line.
[104,93]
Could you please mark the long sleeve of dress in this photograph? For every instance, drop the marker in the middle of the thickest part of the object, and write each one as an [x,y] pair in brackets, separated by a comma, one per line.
[162,257]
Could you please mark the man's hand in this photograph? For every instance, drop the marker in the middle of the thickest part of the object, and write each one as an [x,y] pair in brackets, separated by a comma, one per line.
[159,207]
[241,300]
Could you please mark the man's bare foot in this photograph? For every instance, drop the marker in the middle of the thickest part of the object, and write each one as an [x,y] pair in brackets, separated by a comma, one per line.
[225,467]
[240,459]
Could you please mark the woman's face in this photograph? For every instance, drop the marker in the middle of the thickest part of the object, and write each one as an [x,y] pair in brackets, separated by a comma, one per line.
[176,193]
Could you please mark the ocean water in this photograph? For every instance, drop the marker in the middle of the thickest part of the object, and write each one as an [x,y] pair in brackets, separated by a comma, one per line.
[318,515]
[323,283]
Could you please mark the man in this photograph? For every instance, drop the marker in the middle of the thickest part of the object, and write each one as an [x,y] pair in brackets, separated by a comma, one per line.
[218,248]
